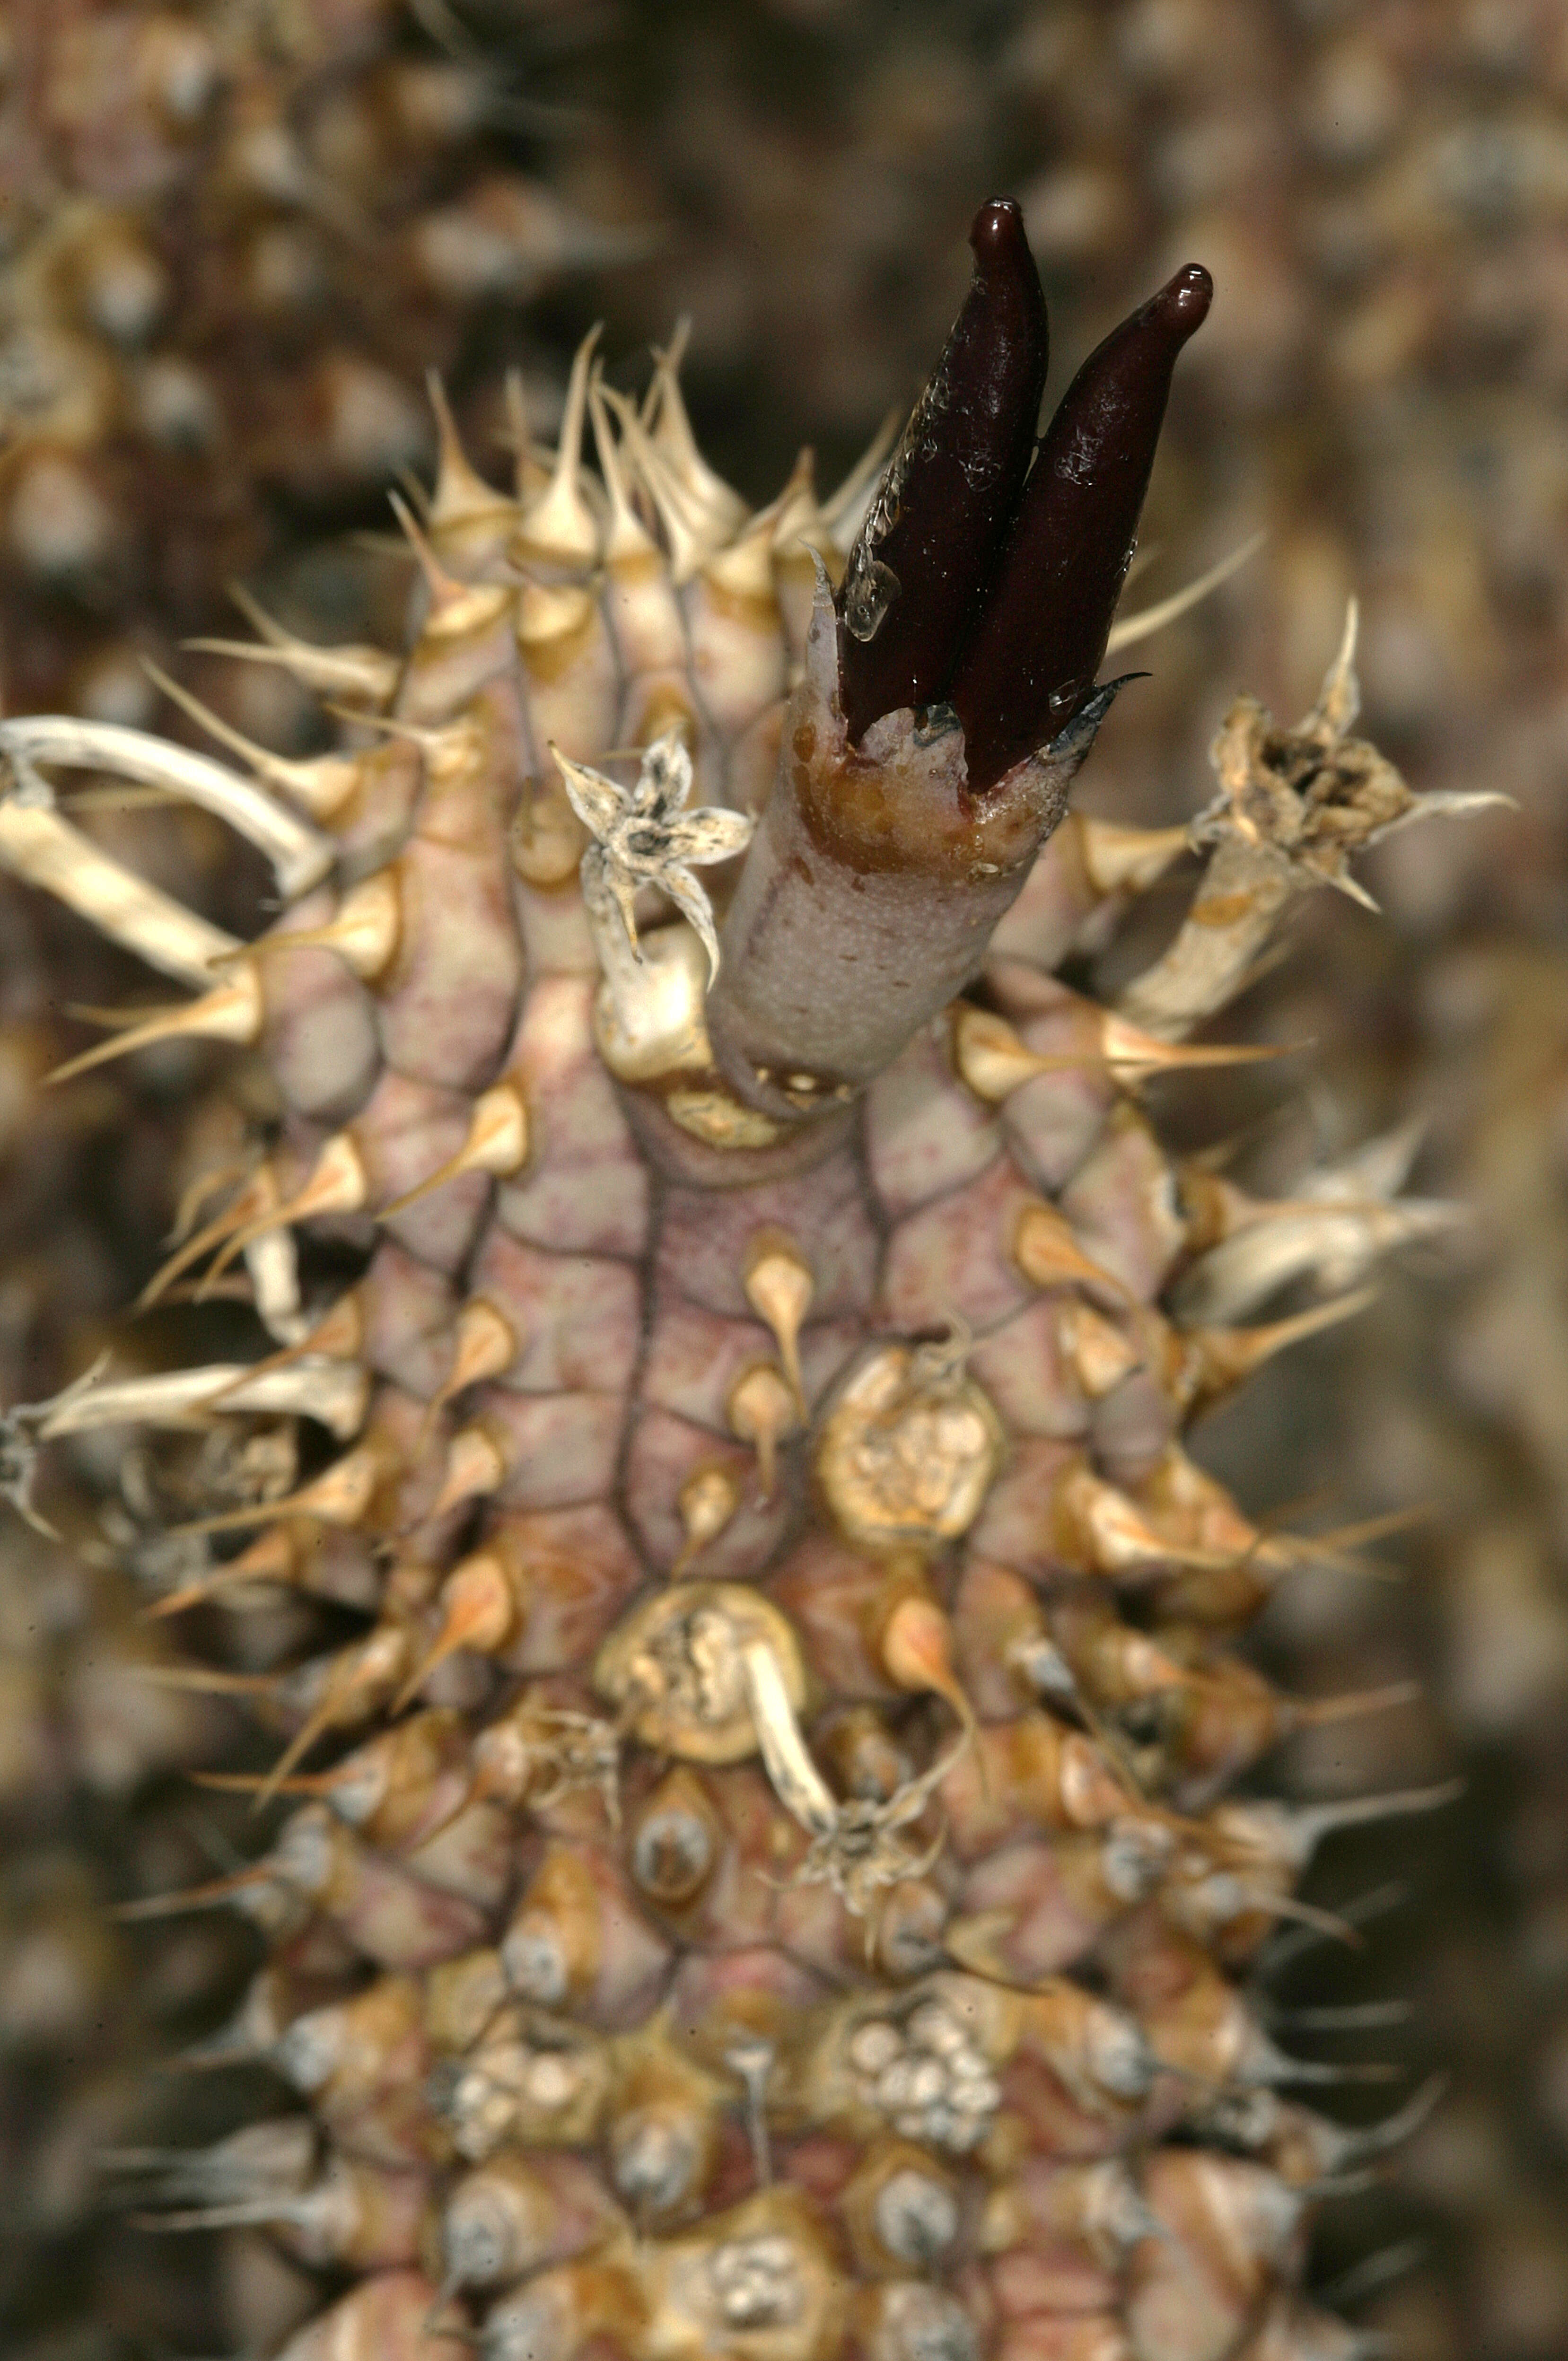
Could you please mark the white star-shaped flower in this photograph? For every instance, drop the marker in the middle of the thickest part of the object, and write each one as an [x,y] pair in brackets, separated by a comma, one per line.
[643,835]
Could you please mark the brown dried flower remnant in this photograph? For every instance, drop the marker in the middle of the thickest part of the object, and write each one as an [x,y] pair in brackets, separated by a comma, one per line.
[1293,806]
[643,835]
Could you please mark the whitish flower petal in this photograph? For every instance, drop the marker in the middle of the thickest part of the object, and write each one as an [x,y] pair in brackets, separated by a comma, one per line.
[711,833]
[598,803]
[696,909]
[666,779]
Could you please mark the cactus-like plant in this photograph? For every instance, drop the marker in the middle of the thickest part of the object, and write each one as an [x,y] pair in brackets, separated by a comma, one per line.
[759,1875]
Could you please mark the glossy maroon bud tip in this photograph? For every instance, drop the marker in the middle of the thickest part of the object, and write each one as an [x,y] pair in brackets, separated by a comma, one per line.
[931,539]
[996,235]
[1185,300]
[1031,658]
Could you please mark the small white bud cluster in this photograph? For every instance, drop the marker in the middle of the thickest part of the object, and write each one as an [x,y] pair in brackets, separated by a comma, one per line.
[927,2077]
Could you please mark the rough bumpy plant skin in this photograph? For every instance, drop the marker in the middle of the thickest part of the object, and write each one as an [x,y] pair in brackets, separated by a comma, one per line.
[1382,386]
[771,1889]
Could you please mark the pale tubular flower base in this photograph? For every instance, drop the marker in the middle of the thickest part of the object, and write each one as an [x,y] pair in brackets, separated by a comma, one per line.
[837,950]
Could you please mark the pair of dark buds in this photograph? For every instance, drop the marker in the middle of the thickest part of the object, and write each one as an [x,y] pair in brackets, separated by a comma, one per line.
[980,582]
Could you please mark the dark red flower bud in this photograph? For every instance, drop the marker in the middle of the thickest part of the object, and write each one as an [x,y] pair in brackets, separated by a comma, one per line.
[931,540]
[1030,660]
